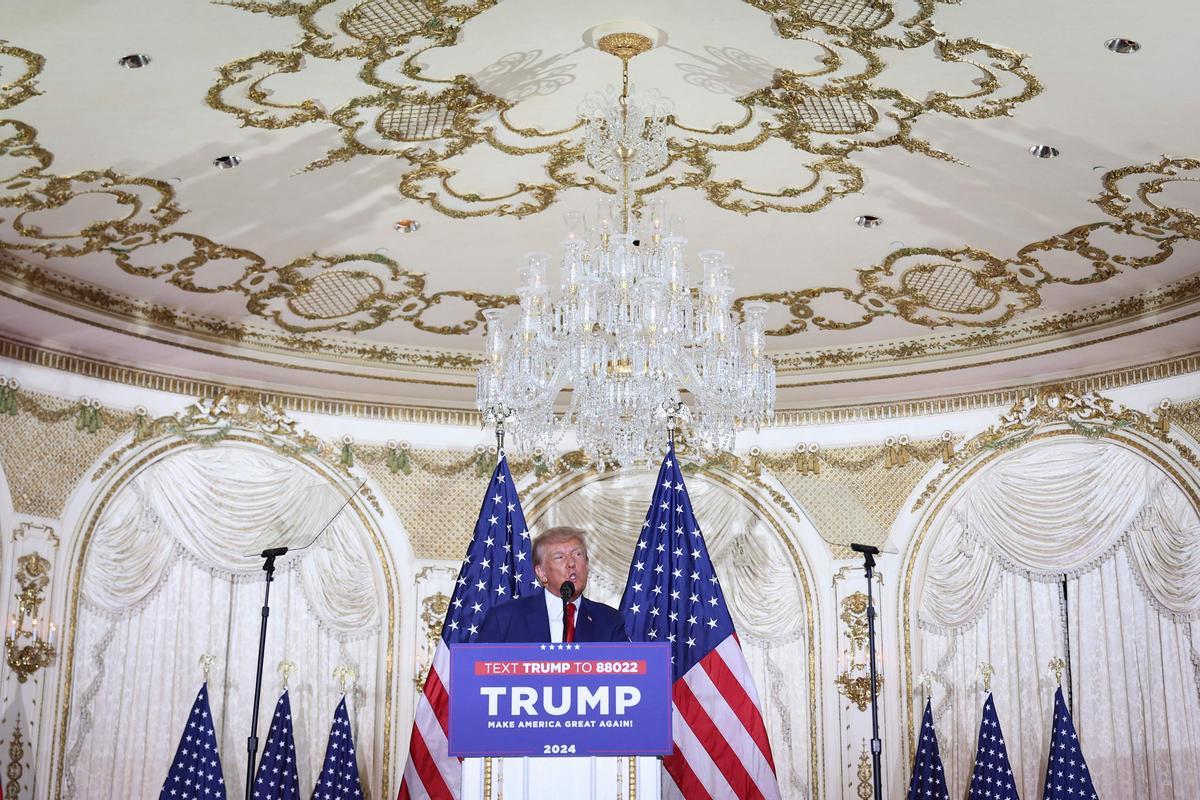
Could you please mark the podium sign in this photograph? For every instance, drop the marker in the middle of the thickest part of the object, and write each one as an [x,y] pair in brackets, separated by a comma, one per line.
[581,699]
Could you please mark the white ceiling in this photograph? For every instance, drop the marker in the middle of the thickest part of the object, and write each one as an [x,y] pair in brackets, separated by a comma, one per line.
[122,242]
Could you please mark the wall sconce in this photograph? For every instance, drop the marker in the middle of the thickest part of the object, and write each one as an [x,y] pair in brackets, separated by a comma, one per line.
[30,641]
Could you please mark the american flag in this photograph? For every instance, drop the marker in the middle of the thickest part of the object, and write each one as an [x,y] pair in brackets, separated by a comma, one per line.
[339,775]
[276,778]
[1067,776]
[721,748]
[928,778]
[498,567]
[195,773]
[993,776]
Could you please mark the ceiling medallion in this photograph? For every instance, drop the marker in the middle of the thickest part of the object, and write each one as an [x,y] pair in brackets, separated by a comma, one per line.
[625,339]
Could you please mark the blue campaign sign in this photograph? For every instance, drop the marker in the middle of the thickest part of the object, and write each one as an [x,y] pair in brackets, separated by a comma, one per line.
[581,699]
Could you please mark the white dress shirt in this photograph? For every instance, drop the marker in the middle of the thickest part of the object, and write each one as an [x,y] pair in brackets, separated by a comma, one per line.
[554,609]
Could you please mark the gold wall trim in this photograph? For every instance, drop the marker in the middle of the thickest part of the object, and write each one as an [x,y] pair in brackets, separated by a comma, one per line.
[403,412]
[192,387]
[994,398]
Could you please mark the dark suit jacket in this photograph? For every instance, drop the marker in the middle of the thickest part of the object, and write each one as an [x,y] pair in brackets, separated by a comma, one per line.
[527,620]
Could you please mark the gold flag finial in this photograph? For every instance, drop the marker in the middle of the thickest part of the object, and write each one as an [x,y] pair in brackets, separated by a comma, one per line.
[344,674]
[925,683]
[286,668]
[206,662]
[987,670]
[1057,665]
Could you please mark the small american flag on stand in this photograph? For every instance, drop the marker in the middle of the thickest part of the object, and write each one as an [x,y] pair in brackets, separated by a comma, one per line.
[195,772]
[339,775]
[993,776]
[928,777]
[721,748]
[1067,776]
[277,778]
[498,567]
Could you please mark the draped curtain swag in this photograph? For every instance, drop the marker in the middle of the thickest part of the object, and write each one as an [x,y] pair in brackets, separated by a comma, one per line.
[1069,540]
[167,578]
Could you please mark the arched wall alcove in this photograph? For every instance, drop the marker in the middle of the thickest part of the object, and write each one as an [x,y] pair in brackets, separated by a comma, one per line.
[765,563]
[128,646]
[1072,546]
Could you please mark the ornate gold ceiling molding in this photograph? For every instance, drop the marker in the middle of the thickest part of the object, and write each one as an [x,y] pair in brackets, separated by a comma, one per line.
[826,114]
[400,412]
[1152,302]
[25,85]
[352,293]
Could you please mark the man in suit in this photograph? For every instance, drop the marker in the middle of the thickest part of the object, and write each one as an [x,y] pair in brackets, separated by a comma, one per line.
[560,554]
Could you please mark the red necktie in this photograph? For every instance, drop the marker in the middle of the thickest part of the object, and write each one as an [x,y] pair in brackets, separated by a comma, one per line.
[569,633]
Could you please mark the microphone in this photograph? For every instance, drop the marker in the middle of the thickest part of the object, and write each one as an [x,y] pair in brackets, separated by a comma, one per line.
[567,591]
[865,549]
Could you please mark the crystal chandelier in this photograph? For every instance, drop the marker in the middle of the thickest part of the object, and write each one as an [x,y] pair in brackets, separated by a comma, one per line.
[628,340]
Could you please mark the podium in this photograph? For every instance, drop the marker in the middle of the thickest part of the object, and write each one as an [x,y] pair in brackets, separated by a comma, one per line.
[579,778]
[578,720]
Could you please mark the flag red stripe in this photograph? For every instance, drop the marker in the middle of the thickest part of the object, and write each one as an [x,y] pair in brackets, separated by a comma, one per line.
[739,702]
[681,772]
[713,741]
[431,778]
[435,692]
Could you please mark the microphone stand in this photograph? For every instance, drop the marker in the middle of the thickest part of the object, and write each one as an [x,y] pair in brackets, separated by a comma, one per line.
[869,552]
[269,557]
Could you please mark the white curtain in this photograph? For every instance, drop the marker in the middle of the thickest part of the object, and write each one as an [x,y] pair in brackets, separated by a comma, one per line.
[1078,540]
[753,564]
[166,579]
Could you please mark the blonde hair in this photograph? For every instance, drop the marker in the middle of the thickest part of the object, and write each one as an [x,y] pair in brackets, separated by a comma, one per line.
[559,533]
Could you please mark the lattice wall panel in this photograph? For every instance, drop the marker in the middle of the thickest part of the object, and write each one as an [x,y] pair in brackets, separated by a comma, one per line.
[45,461]
[439,511]
[848,506]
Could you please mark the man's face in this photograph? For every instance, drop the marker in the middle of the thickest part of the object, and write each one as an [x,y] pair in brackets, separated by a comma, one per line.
[562,561]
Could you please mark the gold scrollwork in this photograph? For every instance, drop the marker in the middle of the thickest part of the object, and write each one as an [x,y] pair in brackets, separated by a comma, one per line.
[433,614]
[15,769]
[829,120]
[24,86]
[1087,414]
[856,687]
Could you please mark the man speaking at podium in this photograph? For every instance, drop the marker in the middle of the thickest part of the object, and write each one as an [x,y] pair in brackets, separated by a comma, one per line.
[561,613]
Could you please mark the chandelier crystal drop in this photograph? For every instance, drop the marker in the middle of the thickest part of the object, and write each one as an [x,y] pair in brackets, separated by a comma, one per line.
[627,346]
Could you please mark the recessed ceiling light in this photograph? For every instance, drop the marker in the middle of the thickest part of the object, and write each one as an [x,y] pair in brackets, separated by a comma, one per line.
[382,251]
[1123,46]
[134,61]
[408,225]
[227,162]
[868,221]
[1043,151]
